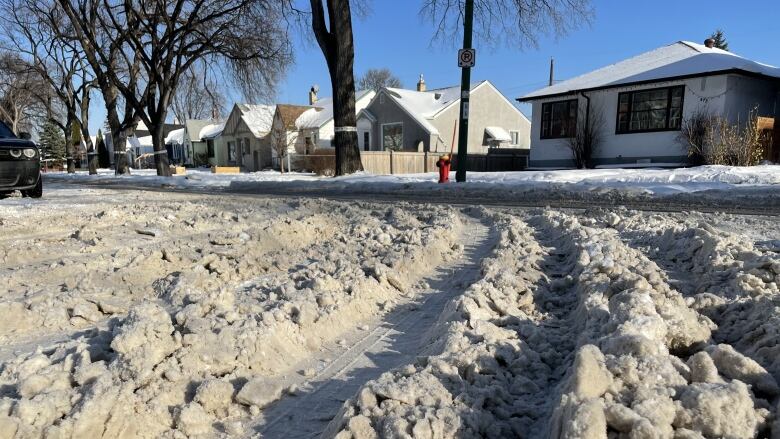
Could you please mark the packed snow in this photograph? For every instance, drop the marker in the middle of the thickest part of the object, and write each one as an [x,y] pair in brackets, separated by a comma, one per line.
[582,335]
[631,181]
[149,314]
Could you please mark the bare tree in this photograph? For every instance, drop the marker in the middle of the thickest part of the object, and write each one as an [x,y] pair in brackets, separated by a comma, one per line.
[163,39]
[282,139]
[376,79]
[508,21]
[34,28]
[100,48]
[588,134]
[22,93]
[336,42]
[197,96]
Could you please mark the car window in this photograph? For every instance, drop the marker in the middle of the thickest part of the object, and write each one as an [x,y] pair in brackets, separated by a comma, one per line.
[5,132]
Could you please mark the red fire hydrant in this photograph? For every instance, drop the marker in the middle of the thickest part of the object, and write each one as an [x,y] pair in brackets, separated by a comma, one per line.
[444,164]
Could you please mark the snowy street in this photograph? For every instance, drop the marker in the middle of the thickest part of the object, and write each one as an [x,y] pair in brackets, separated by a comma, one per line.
[753,189]
[211,315]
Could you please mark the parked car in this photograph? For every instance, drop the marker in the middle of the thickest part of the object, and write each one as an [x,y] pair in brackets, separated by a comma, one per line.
[20,165]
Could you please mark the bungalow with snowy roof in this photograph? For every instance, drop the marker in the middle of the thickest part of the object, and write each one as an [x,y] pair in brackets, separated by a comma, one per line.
[194,145]
[243,141]
[316,125]
[425,120]
[286,136]
[640,105]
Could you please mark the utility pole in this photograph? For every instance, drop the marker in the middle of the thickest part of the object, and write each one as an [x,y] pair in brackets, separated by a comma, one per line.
[466,58]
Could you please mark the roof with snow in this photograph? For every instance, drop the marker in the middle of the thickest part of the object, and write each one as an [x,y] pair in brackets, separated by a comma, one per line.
[140,142]
[424,106]
[499,134]
[211,131]
[681,59]
[175,137]
[322,111]
[259,118]
[289,114]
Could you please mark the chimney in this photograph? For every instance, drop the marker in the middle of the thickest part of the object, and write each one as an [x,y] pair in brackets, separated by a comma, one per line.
[421,84]
[552,71]
[313,95]
[709,42]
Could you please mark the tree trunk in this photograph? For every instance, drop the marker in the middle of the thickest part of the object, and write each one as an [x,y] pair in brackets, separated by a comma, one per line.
[118,134]
[161,161]
[119,140]
[92,155]
[71,166]
[338,47]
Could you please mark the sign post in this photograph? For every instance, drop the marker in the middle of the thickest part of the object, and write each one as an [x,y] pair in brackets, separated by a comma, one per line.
[466,59]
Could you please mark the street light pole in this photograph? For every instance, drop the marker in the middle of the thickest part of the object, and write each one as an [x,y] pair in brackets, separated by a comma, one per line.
[465,90]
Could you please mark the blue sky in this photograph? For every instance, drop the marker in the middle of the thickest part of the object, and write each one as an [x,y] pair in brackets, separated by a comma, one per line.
[396,37]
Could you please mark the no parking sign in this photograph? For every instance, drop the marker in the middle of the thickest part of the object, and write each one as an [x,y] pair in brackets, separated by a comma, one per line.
[466,57]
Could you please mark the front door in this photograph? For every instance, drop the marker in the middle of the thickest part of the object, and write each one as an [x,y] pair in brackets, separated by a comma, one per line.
[366,141]
[256,157]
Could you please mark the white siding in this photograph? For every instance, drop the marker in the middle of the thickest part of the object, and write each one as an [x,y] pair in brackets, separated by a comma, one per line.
[700,93]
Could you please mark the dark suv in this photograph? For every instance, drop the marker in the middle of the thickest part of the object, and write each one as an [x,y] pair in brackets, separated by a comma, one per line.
[20,165]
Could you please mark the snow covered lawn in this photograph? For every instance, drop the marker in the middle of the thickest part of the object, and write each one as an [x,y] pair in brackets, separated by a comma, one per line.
[637,181]
[150,314]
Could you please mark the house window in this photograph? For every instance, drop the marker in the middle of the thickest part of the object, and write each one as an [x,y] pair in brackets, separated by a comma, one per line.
[659,109]
[366,141]
[515,136]
[245,149]
[559,119]
[210,147]
[231,151]
[382,98]
[393,136]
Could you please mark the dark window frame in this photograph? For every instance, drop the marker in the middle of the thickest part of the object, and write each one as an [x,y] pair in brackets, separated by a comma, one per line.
[547,121]
[210,148]
[669,96]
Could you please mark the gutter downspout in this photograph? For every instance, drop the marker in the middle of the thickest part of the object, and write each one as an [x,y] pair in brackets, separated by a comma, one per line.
[587,117]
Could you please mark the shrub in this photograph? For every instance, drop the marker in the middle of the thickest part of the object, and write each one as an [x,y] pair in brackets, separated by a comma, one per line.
[714,140]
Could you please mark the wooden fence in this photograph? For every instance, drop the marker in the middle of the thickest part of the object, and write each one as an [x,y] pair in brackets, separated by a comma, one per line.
[403,162]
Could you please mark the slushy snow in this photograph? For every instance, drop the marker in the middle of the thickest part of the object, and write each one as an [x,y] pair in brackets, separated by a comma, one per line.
[144,314]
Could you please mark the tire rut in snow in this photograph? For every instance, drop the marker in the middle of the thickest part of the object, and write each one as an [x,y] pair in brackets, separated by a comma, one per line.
[621,370]
[204,366]
[500,355]
[392,342]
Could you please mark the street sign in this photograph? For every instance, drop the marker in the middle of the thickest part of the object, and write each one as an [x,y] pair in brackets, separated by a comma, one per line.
[467,57]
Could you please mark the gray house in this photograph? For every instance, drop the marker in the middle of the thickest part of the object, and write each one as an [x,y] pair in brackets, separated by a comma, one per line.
[425,120]
[642,102]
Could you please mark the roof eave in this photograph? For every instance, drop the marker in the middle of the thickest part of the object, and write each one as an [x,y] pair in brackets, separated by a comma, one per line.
[651,81]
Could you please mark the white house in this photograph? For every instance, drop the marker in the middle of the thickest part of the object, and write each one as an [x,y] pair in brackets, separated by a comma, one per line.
[316,125]
[642,102]
[426,120]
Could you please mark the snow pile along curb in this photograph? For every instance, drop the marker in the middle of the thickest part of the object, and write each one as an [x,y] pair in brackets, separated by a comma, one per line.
[577,337]
[206,353]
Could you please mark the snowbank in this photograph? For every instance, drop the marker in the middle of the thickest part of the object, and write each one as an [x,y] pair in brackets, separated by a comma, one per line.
[639,181]
[573,335]
[186,329]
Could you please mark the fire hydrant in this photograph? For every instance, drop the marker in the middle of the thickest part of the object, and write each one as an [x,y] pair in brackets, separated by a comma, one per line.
[444,164]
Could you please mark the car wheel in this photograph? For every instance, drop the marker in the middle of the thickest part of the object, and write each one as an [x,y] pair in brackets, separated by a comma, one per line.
[36,192]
